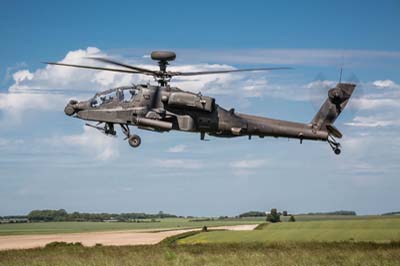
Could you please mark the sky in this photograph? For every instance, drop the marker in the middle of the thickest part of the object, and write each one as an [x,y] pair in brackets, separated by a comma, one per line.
[51,161]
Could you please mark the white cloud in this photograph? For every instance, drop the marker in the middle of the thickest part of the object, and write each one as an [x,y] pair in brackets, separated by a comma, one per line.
[15,104]
[246,84]
[386,84]
[372,122]
[248,164]
[321,84]
[47,88]
[373,103]
[92,143]
[178,148]
[179,163]
[11,69]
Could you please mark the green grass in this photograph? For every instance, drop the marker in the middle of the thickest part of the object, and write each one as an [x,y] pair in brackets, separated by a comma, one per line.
[77,227]
[302,218]
[377,230]
[310,254]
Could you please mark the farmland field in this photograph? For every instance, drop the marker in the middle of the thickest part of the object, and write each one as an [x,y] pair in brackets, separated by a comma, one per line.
[79,227]
[309,254]
[366,241]
[376,230]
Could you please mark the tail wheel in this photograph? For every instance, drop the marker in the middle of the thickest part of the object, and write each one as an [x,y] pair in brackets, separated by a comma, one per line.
[334,145]
[134,141]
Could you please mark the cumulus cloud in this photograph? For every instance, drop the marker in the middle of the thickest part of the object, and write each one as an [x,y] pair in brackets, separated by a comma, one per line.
[386,84]
[15,104]
[92,143]
[372,122]
[179,163]
[178,148]
[11,69]
[54,78]
[48,88]
[374,103]
[248,164]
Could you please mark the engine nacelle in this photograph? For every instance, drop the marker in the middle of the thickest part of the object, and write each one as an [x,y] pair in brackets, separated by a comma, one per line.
[193,101]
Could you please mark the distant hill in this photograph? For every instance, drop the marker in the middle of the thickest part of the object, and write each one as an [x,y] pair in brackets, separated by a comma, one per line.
[331,213]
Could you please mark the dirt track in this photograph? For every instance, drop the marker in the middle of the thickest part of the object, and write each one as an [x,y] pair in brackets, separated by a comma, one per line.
[111,238]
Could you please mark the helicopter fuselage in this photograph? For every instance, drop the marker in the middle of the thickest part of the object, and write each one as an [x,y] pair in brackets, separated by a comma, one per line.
[161,109]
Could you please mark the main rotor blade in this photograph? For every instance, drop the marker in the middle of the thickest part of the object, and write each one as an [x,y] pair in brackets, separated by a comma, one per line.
[225,71]
[97,68]
[139,69]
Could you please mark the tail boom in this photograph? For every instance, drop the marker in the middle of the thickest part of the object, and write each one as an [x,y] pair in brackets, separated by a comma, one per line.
[267,127]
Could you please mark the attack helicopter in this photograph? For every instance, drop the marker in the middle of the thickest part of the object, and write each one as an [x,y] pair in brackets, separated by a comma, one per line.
[164,108]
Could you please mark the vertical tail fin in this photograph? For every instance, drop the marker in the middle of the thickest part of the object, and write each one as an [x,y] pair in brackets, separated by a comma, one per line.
[337,100]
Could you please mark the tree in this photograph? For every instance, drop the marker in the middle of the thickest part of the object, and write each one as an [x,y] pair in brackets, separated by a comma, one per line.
[292,219]
[273,216]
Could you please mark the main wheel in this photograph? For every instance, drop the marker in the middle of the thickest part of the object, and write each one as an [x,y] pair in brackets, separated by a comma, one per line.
[337,151]
[134,141]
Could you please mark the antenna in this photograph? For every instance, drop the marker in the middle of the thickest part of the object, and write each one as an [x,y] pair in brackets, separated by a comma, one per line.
[341,70]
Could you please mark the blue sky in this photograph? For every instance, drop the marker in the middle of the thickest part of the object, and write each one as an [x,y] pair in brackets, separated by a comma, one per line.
[48,160]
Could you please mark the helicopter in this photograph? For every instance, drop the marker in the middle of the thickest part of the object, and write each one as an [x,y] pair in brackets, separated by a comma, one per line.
[163,108]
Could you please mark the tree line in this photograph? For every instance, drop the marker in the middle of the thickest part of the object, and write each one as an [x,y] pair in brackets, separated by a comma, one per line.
[62,215]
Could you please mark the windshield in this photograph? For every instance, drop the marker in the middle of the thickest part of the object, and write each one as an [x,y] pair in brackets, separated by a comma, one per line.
[125,94]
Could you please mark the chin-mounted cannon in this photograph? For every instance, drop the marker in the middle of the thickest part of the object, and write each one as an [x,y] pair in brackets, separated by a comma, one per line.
[74,106]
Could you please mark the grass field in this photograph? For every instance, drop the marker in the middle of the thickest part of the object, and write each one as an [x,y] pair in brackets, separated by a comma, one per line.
[309,254]
[302,218]
[376,230]
[77,227]
[367,241]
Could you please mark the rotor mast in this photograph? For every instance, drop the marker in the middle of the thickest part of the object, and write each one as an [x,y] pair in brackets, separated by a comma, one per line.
[163,57]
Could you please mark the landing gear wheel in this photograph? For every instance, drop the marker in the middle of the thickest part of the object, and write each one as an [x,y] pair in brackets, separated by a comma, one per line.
[134,141]
[334,145]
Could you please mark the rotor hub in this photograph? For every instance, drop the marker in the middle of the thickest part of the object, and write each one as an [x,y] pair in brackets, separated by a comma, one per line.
[163,56]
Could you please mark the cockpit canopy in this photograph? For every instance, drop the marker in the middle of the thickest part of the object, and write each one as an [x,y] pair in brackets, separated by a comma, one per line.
[121,94]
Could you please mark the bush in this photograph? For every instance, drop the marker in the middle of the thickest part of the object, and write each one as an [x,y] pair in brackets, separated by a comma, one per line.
[63,244]
[292,219]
